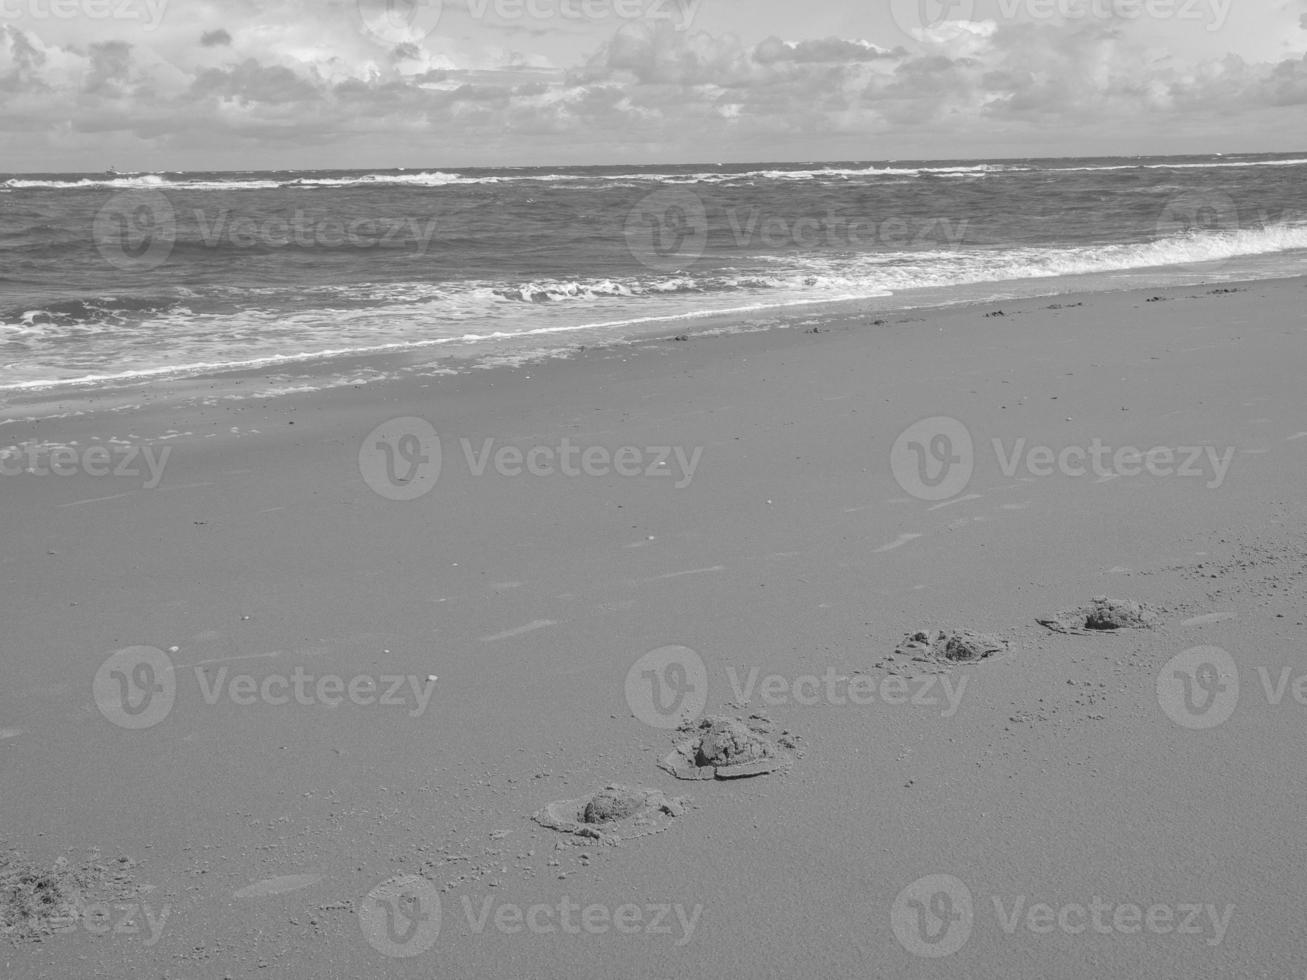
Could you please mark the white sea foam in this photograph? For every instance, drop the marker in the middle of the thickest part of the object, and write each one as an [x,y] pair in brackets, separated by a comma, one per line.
[438,178]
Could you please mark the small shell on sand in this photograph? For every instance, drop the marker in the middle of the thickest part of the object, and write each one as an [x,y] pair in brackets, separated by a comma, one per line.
[721,747]
[951,646]
[612,815]
[1100,615]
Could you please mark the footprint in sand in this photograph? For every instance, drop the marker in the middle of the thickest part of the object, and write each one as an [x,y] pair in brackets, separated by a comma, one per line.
[952,646]
[1101,615]
[721,747]
[613,814]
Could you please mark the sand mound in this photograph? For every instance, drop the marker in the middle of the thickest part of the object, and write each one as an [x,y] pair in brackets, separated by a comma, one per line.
[612,815]
[951,646]
[1102,614]
[720,747]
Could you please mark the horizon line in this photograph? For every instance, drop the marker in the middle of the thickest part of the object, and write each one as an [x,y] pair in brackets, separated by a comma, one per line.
[734,163]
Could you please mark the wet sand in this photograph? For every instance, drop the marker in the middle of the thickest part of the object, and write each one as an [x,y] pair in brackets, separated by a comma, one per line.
[356,687]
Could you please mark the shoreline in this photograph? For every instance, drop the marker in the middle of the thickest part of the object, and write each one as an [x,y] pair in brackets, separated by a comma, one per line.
[392,362]
[276,540]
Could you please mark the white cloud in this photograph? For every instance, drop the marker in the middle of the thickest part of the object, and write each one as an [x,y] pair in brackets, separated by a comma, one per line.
[264,85]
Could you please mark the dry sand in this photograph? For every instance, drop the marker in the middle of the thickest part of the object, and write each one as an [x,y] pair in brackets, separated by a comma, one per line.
[1086,821]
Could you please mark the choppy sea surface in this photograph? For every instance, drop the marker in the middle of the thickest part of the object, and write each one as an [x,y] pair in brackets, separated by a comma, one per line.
[121,278]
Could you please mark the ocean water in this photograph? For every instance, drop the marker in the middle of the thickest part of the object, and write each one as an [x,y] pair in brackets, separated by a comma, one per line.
[116,279]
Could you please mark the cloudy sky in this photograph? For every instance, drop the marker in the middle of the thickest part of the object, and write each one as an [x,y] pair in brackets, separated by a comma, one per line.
[254,84]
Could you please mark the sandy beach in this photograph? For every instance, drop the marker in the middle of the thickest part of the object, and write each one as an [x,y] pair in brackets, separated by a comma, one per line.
[280,720]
